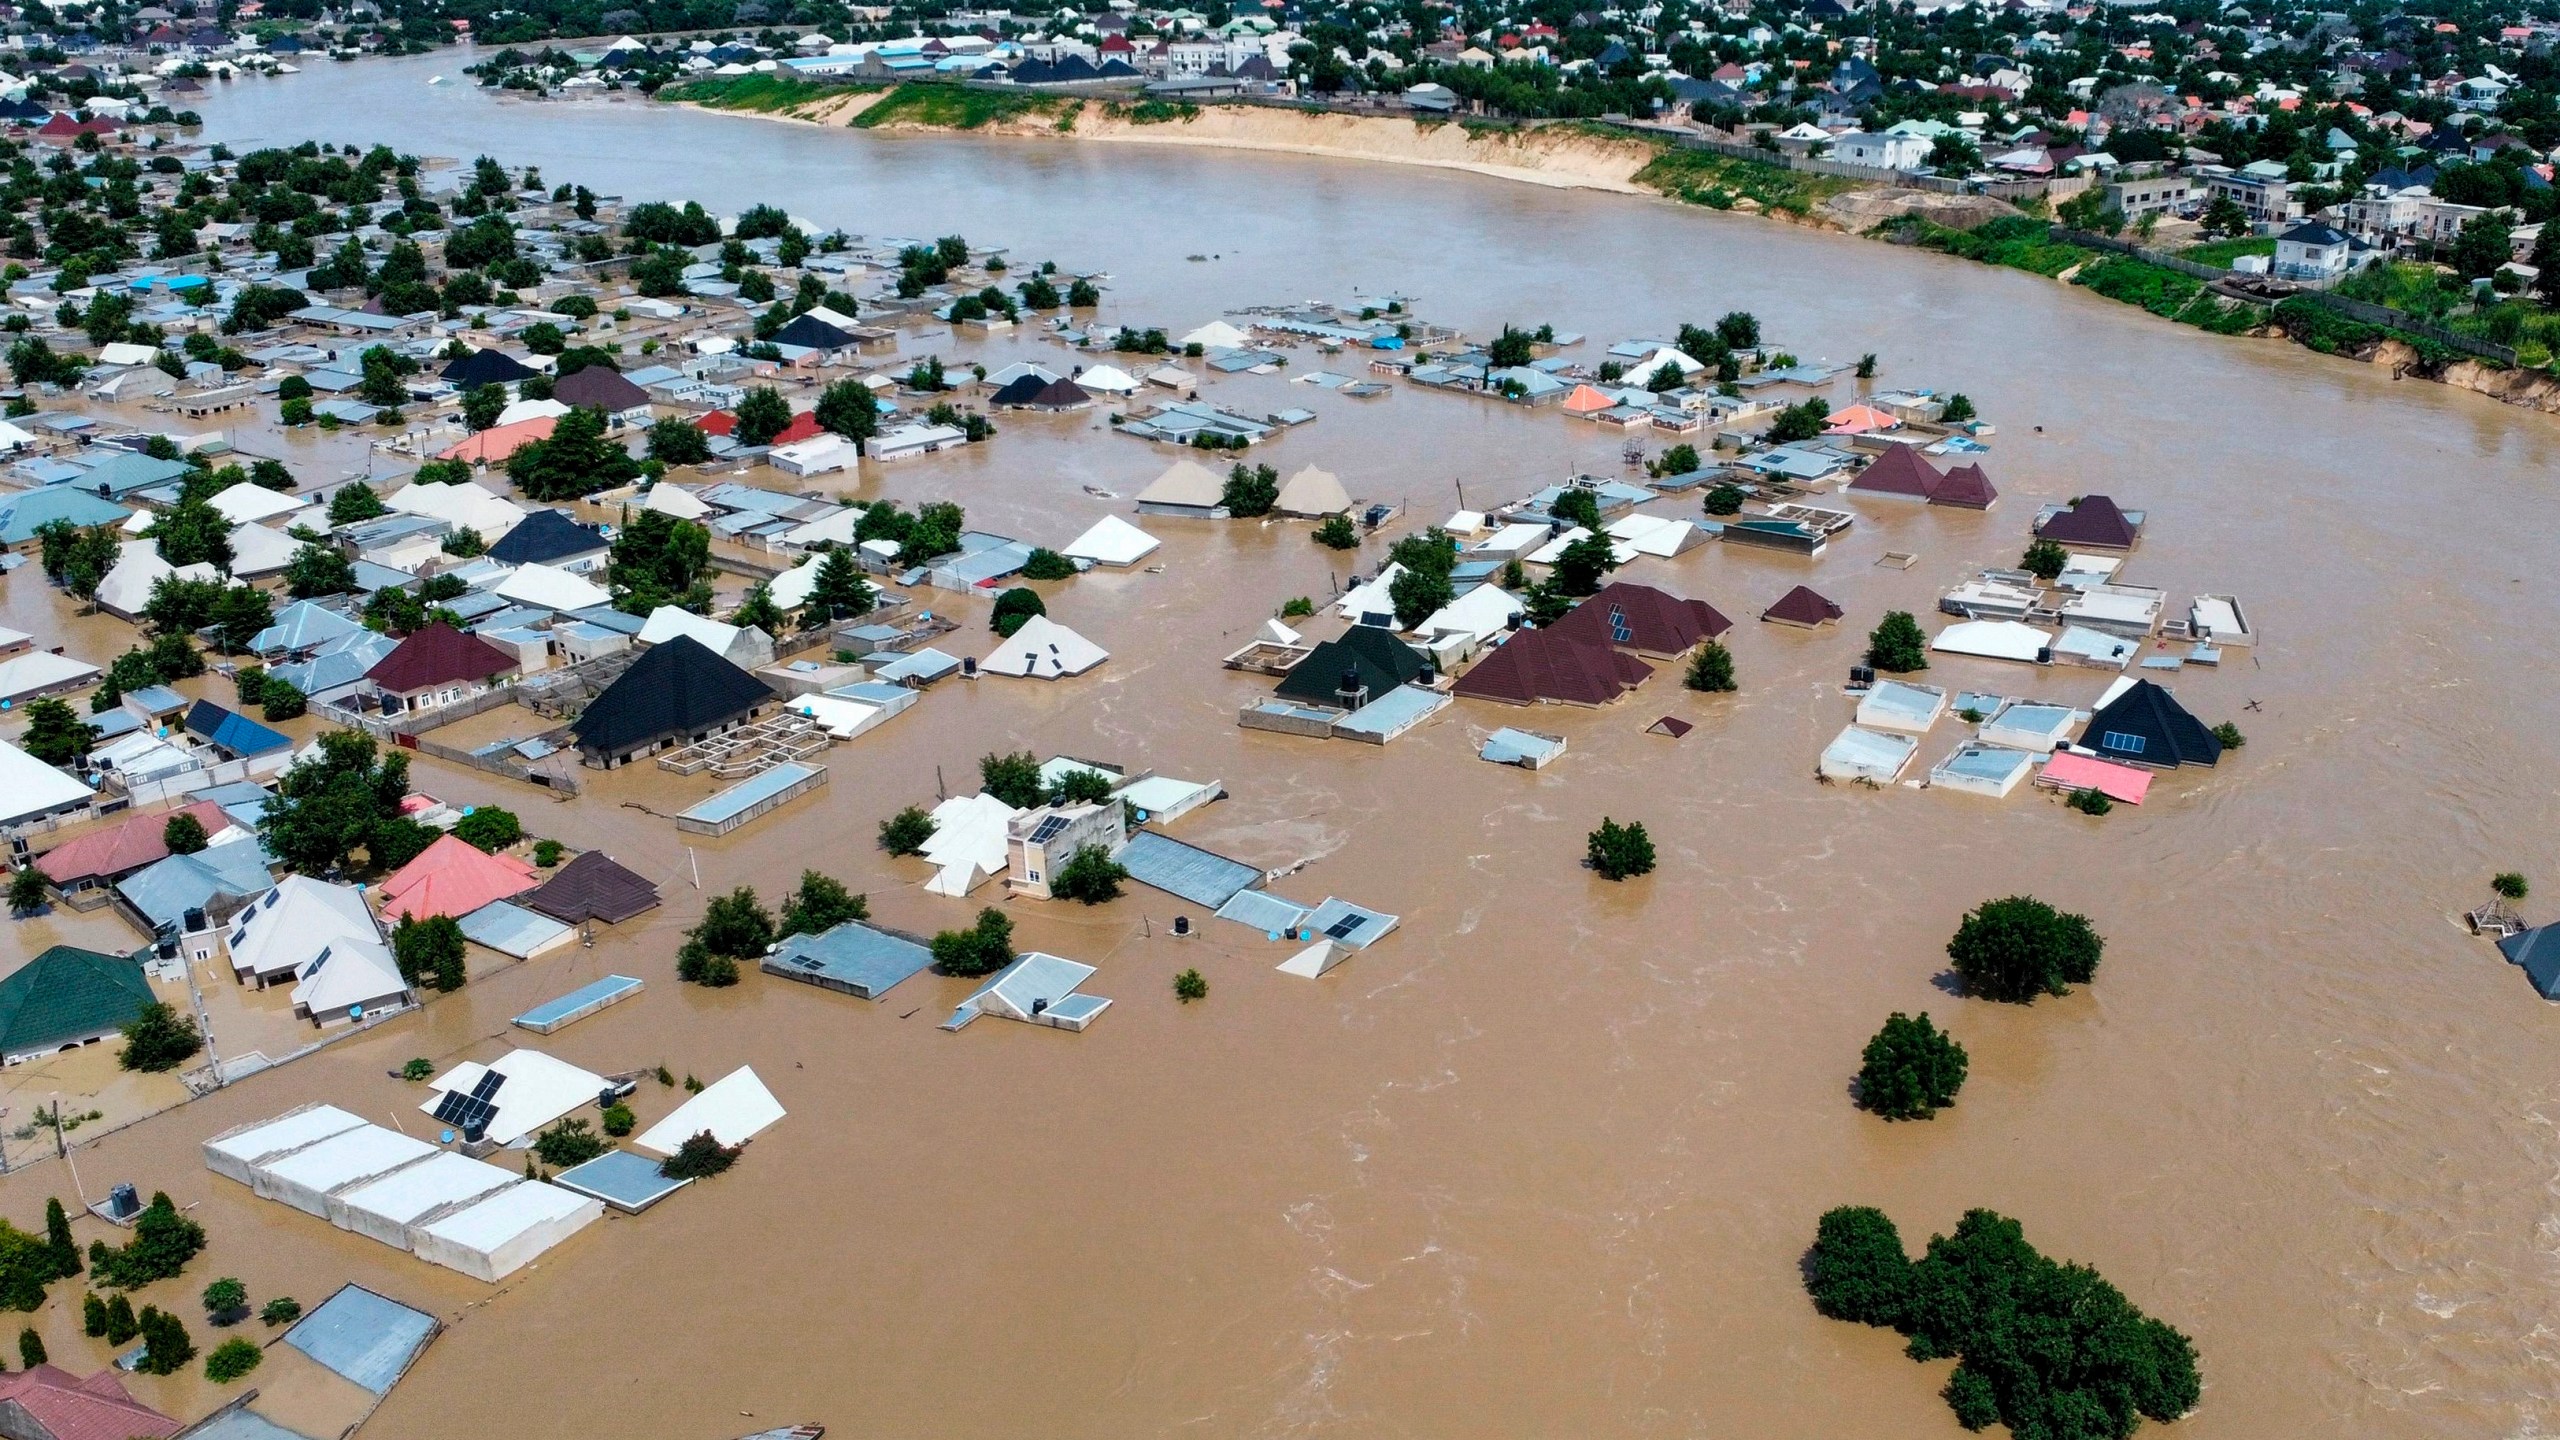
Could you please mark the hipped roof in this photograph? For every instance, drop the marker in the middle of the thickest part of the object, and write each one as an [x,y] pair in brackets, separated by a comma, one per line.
[453,877]
[438,655]
[1539,665]
[676,687]
[1657,622]
[594,886]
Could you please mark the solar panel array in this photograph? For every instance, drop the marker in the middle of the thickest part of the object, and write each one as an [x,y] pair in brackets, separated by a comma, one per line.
[473,1112]
[1048,829]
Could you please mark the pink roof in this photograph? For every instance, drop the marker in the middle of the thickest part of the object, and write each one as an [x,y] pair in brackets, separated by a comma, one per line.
[1586,400]
[70,1408]
[493,445]
[1858,420]
[126,846]
[451,877]
[2067,771]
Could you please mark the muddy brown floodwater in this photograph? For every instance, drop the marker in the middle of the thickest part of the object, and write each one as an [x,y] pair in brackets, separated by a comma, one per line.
[1544,1162]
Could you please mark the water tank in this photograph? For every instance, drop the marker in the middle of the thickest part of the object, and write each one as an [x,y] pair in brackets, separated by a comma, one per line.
[1181,924]
[194,921]
[968,667]
[122,1202]
[475,1130]
[1039,1007]
[1351,692]
[1862,674]
[2044,655]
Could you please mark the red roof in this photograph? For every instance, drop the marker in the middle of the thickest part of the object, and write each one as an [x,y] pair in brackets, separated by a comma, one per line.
[1536,665]
[2092,520]
[1901,471]
[1965,486]
[803,426]
[499,443]
[1642,619]
[453,877]
[70,1408]
[1802,606]
[438,655]
[125,846]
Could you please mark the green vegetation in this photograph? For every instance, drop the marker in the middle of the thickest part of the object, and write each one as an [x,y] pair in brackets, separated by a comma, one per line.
[226,1301]
[2017,241]
[2091,802]
[1703,178]
[26,891]
[619,1121]
[1910,1070]
[982,949]
[2230,736]
[1047,564]
[2048,1349]
[1725,499]
[167,1347]
[1711,670]
[2044,559]
[950,107]
[2510,884]
[570,1142]
[734,927]
[821,903]
[158,1039]
[232,1359]
[1190,985]
[700,1158]
[1250,491]
[905,832]
[1014,609]
[1620,852]
[762,94]
[1896,644]
[1152,112]
[417,1068]
[546,853]
[489,828]
[2220,253]
[162,1244]
[1335,533]
[1090,876]
[282,1310]
[430,952]
[2167,294]
[2019,948]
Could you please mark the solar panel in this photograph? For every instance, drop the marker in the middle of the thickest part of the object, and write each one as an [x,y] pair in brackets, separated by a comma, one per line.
[1341,929]
[464,1112]
[1048,830]
[487,1089]
[1619,629]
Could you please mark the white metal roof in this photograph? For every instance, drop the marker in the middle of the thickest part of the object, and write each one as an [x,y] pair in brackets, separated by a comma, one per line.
[40,670]
[552,588]
[1112,541]
[538,1090]
[1043,649]
[735,1108]
[1995,639]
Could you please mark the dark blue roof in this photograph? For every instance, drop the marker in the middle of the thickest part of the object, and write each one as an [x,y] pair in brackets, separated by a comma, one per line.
[232,731]
[2538,951]
[544,536]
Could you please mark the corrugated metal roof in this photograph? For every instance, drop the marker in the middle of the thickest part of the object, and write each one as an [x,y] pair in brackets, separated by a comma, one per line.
[368,1338]
[1185,872]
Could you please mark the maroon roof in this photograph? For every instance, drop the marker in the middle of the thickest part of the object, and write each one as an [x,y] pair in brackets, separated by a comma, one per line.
[592,887]
[1966,487]
[69,1408]
[1550,664]
[438,655]
[2091,520]
[1652,622]
[599,387]
[1898,471]
[1801,606]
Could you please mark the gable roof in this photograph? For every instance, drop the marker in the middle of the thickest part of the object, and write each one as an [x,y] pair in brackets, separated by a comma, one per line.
[294,921]
[438,655]
[1643,619]
[599,387]
[453,877]
[1549,664]
[2092,520]
[544,536]
[676,687]
[233,731]
[1802,606]
[70,1408]
[1382,662]
[2538,951]
[594,886]
[125,846]
[66,994]
[2148,726]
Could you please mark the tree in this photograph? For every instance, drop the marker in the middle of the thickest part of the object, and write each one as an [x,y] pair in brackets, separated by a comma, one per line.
[577,459]
[184,834]
[158,1039]
[1250,491]
[193,533]
[232,1359]
[762,415]
[1014,609]
[240,612]
[677,441]
[982,949]
[839,592]
[1047,564]
[282,1310]
[226,1301]
[93,1316]
[2485,245]
[619,1121]
[1577,506]
[1711,670]
[1739,330]
[1620,852]
[847,409]
[30,1348]
[1798,422]
[901,834]
[328,807]
[489,828]
[736,926]
[699,1158]
[2223,216]
[429,951]
[26,891]
[1334,532]
[1418,594]
[167,1346]
[1581,565]
[1512,347]
[569,1143]
[1724,499]
[821,903]
[482,405]
[281,700]
[57,1238]
[1959,409]
[1857,1269]
[1954,155]
[1910,1070]
[355,503]
[121,1324]
[2044,559]
[1680,459]
[1013,779]
[26,1266]
[1082,295]
[1090,876]
[1190,985]
[318,569]
[56,734]
[2019,948]
[2510,885]
[164,1240]
[659,560]
[1896,644]
[757,611]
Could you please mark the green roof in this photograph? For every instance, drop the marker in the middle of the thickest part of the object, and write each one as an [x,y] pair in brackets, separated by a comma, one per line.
[68,994]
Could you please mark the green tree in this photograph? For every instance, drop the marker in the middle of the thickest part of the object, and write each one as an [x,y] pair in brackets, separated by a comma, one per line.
[226,1301]
[1620,852]
[164,1240]
[281,700]
[678,441]
[30,1348]
[232,1359]
[762,415]
[1047,564]
[2510,885]
[1577,506]
[1013,779]
[1896,644]
[1910,1070]
[1724,499]
[736,926]
[619,1121]
[356,503]
[482,405]
[2019,948]
[318,569]
[848,409]
[821,903]
[158,1039]
[240,612]
[982,949]
[1090,876]
[2485,245]
[660,560]
[193,533]
[569,1143]
[57,1238]
[839,592]
[699,1158]
[93,1316]
[26,891]
[184,834]
[577,459]
[1581,565]
[121,1324]
[1739,330]
[2223,216]
[328,807]
[1418,594]
[1959,409]
[283,1310]
[489,828]
[757,611]
[1798,422]
[1190,985]
[167,1345]
[56,734]
[1711,669]
[905,832]
[1857,1269]
[1250,491]
[2044,559]
[1014,609]
[429,949]
[1511,347]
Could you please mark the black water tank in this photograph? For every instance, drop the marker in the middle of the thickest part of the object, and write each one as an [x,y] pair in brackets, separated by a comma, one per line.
[194,921]
[1181,924]
[475,1130]
[122,1202]
[1862,675]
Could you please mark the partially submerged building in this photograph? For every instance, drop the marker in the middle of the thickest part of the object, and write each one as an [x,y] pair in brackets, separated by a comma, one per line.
[676,693]
[2147,726]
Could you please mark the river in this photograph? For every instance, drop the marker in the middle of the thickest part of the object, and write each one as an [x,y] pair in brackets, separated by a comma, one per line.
[1543,1163]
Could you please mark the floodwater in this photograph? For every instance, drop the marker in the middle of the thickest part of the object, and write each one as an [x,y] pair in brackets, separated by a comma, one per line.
[1544,1162]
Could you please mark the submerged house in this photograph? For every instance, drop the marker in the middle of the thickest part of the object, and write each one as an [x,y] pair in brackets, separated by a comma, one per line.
[675,693]
[1803,607]
[1640,618]
[1037,988]
[1555,667]
[2093,522]
[65,998]
[1188,489]
[1900,473]
[2147,726]
[1364,663]
[435,667]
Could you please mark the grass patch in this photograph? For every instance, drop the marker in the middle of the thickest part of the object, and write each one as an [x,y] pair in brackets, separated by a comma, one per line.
[1152,112]
[2220,253]
[2016,241]
[1702,177]
[2162,291]
[760,94]
[952,107]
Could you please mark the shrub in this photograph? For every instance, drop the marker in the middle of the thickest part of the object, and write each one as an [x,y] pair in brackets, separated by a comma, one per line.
[158,1039]
[30,1348]
[226,1300]
[1724,499]
[1910,1069]
[1189,986]
[1336,533]
[2510,884]
[2044,559]
[2090,802]
[282,1310]
[618,1120]
[1047,564]
[232,1359]
[1620,852]
[1896,644]
[546,853]
[417,1069]
[1014,609]
[1090,876]
[905,832]
[489,828]
[1297,608]
[571,1142]
[2019,948]
[1711,670]
[162,1244]
[2230,736]
[700,1158]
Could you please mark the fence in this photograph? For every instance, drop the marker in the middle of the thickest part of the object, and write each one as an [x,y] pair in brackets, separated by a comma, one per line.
[413,737]
[2359,310]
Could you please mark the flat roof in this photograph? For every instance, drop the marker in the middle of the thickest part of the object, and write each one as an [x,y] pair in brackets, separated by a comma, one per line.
[752,791]
[368,1338]
[627,1182]
[544,1018]
[853,956]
